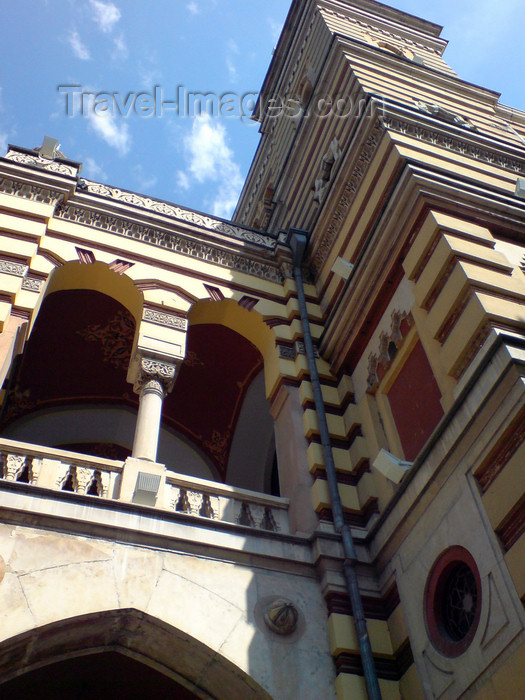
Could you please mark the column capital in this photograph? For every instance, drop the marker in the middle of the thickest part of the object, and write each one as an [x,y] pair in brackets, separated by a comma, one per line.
[155,374]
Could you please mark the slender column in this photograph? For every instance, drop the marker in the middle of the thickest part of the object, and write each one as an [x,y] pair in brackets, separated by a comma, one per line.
[155,381]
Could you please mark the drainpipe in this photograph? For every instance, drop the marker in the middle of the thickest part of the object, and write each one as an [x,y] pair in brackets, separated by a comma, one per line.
[297,240]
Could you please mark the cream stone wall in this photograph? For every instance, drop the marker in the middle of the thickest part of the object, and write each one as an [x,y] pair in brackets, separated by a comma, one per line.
[54,577]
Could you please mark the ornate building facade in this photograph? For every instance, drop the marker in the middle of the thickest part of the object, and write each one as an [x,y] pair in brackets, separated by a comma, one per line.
[277,457]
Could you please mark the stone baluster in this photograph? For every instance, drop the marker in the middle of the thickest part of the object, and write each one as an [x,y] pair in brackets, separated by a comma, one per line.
[14,466]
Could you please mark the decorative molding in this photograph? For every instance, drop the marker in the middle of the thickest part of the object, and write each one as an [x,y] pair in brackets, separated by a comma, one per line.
[120,266]
[290,352]
[286,352]
[391,668]
[453,143]
[163,318]
[155,375]
[301,350]
[380,361]
[269,140]
[42,163]
[383,32]
[354,518]
[214,292]
[171,241]
[33,284]
[445,115]
[505,448]
[375,608]
[349,193]
[115,338]
[9,267]
[281,616]
[31,192]
[326,170]
[248,303]
[86,257]
[174,212]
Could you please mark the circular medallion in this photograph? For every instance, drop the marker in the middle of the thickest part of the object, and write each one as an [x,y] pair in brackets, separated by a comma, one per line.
[281,616]
[453,602]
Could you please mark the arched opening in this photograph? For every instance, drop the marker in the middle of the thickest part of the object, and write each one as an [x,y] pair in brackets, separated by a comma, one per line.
[73,369]
[150,658]
[69,389]
[219,405]
[103,676]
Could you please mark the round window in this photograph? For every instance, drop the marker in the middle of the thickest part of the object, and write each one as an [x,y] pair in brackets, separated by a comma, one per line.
[453,601]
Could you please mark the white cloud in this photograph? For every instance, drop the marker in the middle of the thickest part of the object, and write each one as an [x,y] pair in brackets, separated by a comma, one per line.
[183,181]
[275,29]
[5,136]
[92,170]
[232,70]
[233,49]
[210,159]
[79,48]
[193,8]
[115,134]
[105,14]
[145,181]
[121,50]
[150,73]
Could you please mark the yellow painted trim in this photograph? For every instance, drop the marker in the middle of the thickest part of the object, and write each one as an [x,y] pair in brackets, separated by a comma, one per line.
[249,324]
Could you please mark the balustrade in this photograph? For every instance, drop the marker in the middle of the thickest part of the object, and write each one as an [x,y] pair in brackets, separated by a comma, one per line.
[94,476]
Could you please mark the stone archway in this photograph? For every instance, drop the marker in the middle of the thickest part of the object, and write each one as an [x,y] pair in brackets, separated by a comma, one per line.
[136,643]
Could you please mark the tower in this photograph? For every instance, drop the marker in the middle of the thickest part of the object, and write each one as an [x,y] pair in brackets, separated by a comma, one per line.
[211,430]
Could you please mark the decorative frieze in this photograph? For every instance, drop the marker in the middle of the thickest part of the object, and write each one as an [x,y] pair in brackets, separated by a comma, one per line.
[163,318]
[33,284]
[380,31]
[349,193]
[31,192]
[174,212]
[453,143]
[42,163]
[290,352]
[9,267]
[171,241]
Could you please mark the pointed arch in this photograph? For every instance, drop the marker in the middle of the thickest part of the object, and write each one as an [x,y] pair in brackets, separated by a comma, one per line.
[174,654]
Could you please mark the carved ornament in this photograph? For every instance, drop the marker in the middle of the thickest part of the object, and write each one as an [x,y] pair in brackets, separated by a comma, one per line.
[13,268]
[163,318]
[31,192]
[282,616]
[155,376]
[174,212]
[349,193]
[32,284]
[171,241]
[42,163]
[453,143]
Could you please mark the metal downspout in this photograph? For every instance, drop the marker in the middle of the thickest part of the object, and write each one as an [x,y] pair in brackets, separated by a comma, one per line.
[297,240]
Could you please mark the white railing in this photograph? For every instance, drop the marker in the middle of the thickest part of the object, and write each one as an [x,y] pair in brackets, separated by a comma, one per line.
[59,469]
[226,504]
[83,474]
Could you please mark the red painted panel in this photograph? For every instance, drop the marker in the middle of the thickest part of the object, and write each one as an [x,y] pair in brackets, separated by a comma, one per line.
[415,402]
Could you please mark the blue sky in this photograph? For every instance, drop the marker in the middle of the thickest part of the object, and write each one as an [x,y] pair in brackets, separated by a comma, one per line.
[219,46]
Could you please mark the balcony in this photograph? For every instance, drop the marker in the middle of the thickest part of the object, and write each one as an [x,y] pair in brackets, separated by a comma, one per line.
[186,498]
